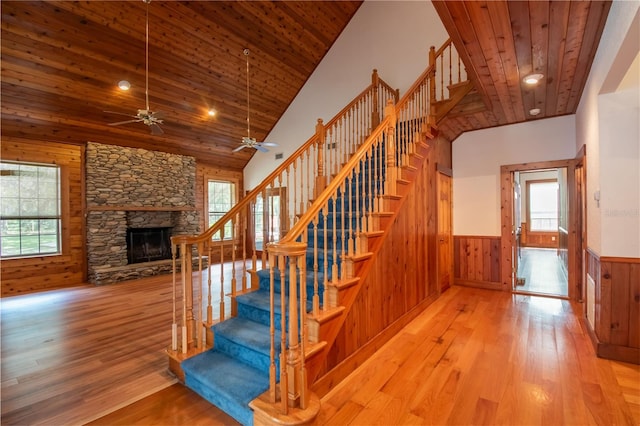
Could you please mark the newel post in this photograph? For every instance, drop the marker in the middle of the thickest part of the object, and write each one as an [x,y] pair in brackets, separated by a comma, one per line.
[432,74]
[375,112]
[392,170]
[321,179]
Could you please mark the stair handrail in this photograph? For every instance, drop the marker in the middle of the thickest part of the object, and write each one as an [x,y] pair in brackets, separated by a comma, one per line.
[292,175]
[242,204]
[413,118]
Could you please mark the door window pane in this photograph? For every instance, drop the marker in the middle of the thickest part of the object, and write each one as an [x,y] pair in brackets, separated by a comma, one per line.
[543,206]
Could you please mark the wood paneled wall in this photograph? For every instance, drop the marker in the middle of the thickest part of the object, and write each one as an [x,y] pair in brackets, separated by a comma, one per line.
[538,239]
[477,261]
[616,333]
[400,284]
[40,273]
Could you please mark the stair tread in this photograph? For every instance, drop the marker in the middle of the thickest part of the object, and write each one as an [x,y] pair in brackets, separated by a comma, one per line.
[245,332]
[260,299]
[231,391]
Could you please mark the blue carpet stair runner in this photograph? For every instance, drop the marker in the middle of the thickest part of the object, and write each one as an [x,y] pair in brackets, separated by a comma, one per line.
[236,370]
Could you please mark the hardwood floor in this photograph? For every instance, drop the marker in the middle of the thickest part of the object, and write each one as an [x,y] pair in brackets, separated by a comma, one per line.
[542,272]
[95,355]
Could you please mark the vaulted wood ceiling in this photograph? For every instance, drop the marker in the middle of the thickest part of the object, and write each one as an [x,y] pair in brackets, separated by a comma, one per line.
[61,62]
[501,42]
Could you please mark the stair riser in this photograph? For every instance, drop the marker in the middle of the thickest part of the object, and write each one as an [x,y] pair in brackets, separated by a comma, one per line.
[258,360]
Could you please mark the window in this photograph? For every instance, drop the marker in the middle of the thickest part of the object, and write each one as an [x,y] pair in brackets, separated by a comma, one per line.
[221,198]
[543,206]
[30,219]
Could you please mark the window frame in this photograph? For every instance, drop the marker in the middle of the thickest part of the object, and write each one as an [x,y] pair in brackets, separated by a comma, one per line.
[236,194]
[529,223]
[60,217]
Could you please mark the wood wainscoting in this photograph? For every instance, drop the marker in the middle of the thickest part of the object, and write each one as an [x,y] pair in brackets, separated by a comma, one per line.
[477,261]
[537,238]
[614,300]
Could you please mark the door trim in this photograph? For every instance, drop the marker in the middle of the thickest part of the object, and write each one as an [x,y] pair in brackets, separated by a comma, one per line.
[507,236]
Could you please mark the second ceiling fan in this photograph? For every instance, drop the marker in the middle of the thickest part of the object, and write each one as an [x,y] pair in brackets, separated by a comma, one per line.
[248,141]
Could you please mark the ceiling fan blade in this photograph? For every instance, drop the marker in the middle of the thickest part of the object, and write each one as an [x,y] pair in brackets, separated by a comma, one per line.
[125,122]
[120,113]
[158,115]
[260,148]
[239,148]
[155,129]
[268,144]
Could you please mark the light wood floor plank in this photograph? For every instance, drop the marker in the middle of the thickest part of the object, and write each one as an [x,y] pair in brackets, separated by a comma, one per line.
[95,355]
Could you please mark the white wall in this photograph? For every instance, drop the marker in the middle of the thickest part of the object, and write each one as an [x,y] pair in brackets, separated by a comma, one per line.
[478,155]
[391,36]
[607,123]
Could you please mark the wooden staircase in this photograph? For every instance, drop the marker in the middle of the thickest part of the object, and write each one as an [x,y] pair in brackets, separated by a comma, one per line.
[373,162]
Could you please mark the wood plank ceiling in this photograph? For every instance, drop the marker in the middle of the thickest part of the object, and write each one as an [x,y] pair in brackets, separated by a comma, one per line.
[502,41]
[61,62]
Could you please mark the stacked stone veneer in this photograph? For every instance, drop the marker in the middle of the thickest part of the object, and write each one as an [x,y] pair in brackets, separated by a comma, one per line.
[128,187]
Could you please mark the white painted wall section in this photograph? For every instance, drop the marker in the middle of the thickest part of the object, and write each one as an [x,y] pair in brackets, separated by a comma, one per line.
[391,36]
[478,155]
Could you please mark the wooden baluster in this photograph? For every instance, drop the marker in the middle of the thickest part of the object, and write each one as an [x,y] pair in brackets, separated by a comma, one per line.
[343,243]
[284,214]
[234,282]
[302,201]
[325,294]
[302,378]
[265,227]
[348,200]
[272,330]
[375,112]
[254,255]
[442,77]
[380,178]
[391,170]
[186,278]
[209,281]
[432,79]
[450,73]
[174,325]
[371,195]
[359,171]
[309,195]
[222,313]
[321,179]
[316,297]
[334,266]
[284,391]
[293,333]
[245,229]
[200,331]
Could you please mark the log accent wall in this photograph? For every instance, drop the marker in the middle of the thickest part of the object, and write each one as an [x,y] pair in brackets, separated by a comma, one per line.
[39,273]
[616,329]
[477,261]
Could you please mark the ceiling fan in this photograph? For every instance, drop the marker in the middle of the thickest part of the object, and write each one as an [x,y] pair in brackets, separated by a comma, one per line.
[145,116]
[248,141]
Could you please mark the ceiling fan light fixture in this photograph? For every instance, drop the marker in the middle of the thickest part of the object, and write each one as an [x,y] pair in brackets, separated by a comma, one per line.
[534,111]
[124,85]
[532,79]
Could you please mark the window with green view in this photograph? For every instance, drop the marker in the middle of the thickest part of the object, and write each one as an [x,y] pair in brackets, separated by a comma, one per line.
[30,219]
[222,197]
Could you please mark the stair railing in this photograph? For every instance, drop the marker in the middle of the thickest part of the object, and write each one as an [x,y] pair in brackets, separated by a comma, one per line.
[359,195]
[262,216]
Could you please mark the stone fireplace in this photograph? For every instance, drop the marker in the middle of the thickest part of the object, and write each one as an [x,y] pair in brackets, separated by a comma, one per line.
[135,191]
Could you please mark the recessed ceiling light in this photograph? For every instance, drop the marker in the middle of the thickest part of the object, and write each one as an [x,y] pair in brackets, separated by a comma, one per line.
[532,79]
[124,85]
[211,112]
[534,111]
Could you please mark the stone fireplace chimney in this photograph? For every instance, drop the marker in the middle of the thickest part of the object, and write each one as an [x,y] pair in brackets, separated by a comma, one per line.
[128,189]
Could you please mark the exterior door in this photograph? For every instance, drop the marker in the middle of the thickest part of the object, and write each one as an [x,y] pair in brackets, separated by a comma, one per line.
[445,231]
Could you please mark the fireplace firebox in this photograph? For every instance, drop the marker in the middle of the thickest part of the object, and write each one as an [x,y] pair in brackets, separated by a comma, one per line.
[148,244]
